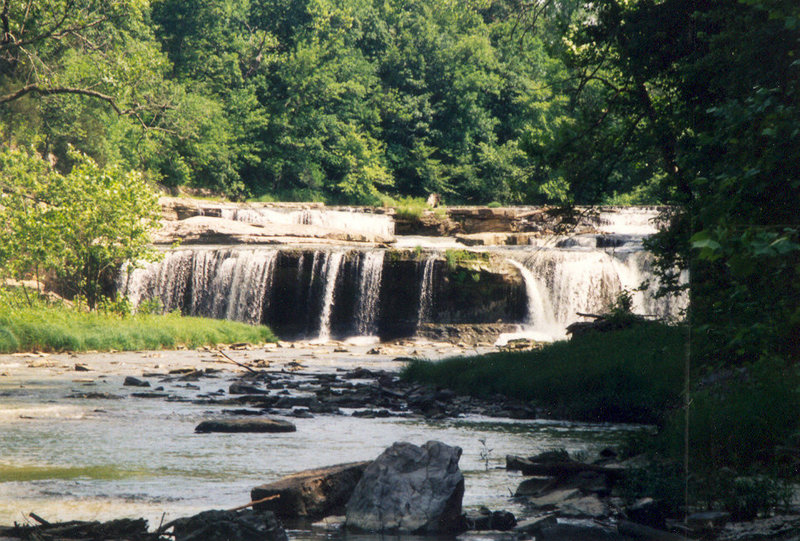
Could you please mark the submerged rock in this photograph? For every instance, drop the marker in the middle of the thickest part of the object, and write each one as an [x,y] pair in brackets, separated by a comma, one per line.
[311,493]
[245,425]
[410,489]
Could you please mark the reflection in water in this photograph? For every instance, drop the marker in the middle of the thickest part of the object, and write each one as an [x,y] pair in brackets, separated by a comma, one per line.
[99,459]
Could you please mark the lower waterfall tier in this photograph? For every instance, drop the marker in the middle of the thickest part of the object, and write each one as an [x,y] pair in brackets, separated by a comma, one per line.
[333,293]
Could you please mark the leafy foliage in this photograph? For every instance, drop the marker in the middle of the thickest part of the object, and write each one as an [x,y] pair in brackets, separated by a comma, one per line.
[77,228]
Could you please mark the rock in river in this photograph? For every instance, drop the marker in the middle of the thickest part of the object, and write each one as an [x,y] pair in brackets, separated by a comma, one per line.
[245,425]
[229,526]
[410,489]
[311,493]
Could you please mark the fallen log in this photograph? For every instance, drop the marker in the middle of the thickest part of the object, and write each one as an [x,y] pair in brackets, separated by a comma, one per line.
[256,502]
[236,362]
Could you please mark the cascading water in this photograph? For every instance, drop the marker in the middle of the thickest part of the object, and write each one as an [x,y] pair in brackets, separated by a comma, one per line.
[426,289]
[324,293]
[229,283]
[346,220]
[333,264]
[369,289]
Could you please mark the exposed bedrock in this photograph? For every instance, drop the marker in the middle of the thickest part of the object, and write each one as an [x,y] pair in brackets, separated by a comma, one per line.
[333,293]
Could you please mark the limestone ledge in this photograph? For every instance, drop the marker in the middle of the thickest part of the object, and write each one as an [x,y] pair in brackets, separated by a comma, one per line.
[214,230]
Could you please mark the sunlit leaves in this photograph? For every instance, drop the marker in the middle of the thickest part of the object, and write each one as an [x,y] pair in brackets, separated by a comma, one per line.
[79,227]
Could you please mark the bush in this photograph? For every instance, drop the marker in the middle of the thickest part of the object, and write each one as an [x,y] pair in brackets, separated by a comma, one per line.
[407,208]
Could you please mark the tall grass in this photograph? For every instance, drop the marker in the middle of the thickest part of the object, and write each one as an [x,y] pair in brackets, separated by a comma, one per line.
[57,328]
[407,208]
[631,375]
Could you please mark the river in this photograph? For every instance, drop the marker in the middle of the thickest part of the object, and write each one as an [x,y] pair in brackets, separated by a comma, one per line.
[68,458]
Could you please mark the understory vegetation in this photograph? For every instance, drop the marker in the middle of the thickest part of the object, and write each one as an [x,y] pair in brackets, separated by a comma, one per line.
[744,431]
[56,326]
[589,378]
[685,103]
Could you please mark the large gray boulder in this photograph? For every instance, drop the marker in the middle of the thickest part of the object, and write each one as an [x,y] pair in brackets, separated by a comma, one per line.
[410,489]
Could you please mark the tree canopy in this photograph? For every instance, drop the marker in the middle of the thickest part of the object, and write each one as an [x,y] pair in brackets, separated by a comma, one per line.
[688,103]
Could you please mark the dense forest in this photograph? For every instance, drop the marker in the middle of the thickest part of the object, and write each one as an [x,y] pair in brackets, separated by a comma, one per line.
[688,103]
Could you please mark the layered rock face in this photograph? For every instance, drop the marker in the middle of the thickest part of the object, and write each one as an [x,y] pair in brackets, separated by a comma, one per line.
[317,272]
[410,489]
[331,293]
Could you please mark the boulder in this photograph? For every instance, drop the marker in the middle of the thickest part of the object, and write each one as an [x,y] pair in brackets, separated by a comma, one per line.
[579,530]
[533,526]
[584,507]
[311,493]
[245,425]
[554,499]
[533,486]
[485,519]
[131,381]
[246,525]
[410,489]
[244,388]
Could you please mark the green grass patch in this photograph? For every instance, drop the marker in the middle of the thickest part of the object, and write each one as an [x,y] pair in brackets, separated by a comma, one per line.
[407,208]
[631,375]
[57,328]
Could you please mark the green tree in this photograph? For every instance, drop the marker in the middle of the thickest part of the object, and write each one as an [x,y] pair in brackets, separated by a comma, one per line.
[78,228]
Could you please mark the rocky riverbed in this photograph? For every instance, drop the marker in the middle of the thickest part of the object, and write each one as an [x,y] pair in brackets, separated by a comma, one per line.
[109,435]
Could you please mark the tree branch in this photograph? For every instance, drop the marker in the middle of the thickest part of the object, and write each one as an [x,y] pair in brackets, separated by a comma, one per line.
[35,88]
[5,23]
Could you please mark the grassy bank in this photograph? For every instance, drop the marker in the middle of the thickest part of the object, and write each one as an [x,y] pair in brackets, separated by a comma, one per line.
[744,431]
[57,328]
[630,375]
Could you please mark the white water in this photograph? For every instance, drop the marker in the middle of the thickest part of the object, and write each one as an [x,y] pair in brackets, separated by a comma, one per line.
[370,274]
[426,289]
[228,283]
[333,263]
[627,220]
[346,220]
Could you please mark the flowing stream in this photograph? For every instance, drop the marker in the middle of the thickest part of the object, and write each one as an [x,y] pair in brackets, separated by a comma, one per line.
[98,458]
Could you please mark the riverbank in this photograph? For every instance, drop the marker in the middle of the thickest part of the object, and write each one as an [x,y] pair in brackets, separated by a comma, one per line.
[631,375]
[53,328]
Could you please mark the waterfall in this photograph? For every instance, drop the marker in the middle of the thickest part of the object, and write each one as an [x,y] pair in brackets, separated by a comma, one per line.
[336,292]
[346,219]
[627,220]
[232,284]
[426,289]
[369,289]
[540,312]
[333,263]
[580,277]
